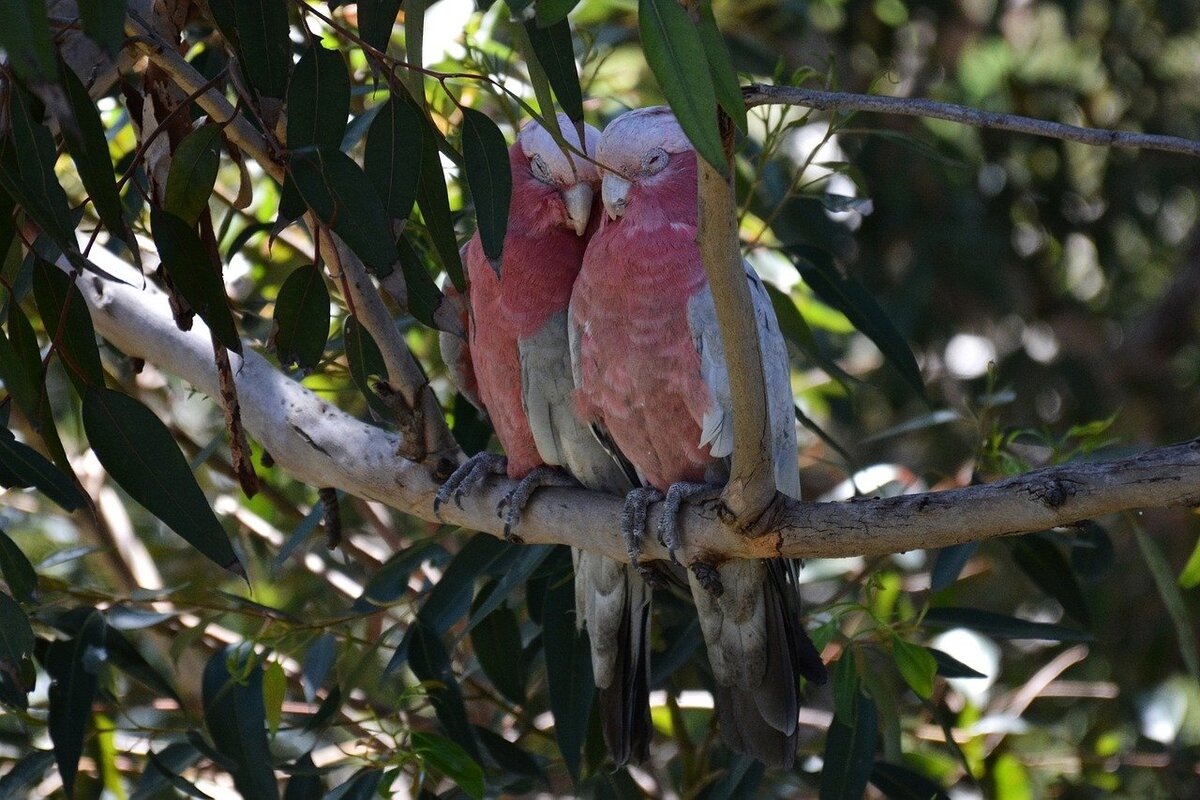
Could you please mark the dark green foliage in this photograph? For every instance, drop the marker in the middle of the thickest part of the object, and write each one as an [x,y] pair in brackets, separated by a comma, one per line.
[302,318]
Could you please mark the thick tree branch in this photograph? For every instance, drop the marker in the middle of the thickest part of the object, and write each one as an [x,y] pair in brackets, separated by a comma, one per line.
[758,94]
[323,446]
[751,485]
[425,434]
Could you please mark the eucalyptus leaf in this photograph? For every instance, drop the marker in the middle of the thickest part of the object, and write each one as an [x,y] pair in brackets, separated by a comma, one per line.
[675,52]
[568,665]
[850,752]
[62,307]
[555,52]
[139,454]
[195,274]
[318,100]
[489,177]
[236,719]
[392,156]
[302,318]
[30,468]
[1001,626]
[73,666]
[264,51]
[194,166]
[17,571]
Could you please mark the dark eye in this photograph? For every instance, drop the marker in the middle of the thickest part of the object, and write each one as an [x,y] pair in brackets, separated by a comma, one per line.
[540,170]
[655,160]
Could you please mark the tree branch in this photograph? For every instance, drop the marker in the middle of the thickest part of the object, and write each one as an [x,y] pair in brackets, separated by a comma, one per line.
[323,446]
[751,485]
[758,94]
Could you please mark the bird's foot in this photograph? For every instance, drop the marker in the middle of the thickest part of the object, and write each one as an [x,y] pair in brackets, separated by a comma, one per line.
[709,578]
[668,522]
[516,501]
[633,523]
[467,477]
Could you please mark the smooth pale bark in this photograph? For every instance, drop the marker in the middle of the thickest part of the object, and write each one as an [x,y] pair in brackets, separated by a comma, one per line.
[321,445]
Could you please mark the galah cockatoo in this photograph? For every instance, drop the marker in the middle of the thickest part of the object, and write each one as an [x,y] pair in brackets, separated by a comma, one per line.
[651,379]
[515,365]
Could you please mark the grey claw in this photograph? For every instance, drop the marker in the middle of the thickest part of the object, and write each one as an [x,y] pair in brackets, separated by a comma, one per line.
[519,497]
[467,477]
[633,521]
[668,522]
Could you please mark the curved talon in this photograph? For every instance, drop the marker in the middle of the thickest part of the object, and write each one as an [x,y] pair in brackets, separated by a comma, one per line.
[519,497]
[633,522]
[668,522]
[467,477]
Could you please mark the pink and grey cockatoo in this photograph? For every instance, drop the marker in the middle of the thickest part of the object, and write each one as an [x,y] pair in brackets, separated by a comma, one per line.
[651,378]
[515,365]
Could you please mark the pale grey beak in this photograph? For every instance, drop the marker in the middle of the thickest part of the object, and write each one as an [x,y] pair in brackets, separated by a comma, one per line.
[614,190]
[578,200]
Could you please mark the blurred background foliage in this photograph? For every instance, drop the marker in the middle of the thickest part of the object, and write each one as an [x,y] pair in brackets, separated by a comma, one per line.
[1049,292]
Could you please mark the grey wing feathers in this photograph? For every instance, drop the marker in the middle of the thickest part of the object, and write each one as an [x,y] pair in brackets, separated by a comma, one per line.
[456,350]
[717,425]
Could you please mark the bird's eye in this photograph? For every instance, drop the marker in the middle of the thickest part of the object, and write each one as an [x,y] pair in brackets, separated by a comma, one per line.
[540,170]
[654,161]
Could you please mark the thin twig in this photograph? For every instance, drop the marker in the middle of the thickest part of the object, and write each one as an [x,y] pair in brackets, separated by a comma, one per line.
[757,94]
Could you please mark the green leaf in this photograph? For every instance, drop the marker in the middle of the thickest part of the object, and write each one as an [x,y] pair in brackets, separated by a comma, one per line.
[850,752]
[720,66]
[525,561]
[139,454]
[390,582]
[302,318]
[25,37]
[73,666]
[16,646]
[194,166]
[30,468]
[950,667]
[1047,567]
[424,297]
[236,719]
[25,774]
[88,146]
[363,786]
[450,760]
[1092,552]
[163,770]
[318,100]
[1001,626]
[796,330]
[265,49]
[21,363]
[332,186]
[120,651]
[450,597]
[318,660]
[848,296]
[27,157]
[1172,597]
[365,360]
[496,639]
[57,295]
[429,661]
[509,756]
[675,52]
[305,783]
[17,571]
[1189,578]
[392,156]
[901,783]
[568,665]
[916,664]
[196,275]
[104,21]
[845,685]
[489,177]
[551,12]
[949,563]
[274,693]
[555,52]
[376,18]
[434,203]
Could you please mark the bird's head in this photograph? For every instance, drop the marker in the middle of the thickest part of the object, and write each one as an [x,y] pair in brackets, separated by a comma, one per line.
[644,149]
[573,179]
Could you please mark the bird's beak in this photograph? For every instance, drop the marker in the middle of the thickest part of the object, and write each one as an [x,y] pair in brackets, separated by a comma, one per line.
[615,192]
[578,200]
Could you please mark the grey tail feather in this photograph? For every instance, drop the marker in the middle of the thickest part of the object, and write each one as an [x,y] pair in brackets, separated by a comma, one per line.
[625,706]
[762,722]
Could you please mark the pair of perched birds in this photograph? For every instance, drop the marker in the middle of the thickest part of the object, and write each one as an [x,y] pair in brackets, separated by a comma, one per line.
[594,348]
